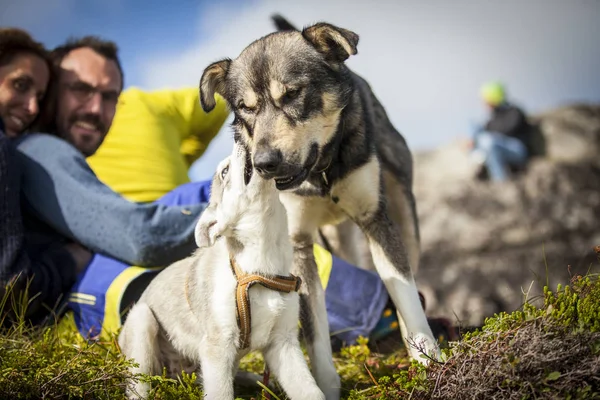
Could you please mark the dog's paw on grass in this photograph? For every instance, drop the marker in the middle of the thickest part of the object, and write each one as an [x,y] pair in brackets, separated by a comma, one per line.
[546,352]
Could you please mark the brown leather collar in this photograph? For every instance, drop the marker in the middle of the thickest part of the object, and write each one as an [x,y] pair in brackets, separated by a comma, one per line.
[245,281]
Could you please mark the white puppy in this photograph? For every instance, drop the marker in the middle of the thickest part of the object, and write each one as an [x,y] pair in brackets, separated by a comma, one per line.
[187,318]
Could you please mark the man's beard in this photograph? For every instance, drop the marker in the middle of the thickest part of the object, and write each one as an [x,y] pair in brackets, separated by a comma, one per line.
[86,144]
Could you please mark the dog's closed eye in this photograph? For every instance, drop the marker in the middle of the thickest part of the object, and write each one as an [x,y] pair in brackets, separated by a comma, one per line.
[291,94]
[242,106]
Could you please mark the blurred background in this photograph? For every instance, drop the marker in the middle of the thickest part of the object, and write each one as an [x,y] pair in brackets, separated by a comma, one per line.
[424,59]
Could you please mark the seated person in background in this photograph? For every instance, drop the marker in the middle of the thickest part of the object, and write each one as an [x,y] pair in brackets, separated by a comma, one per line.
[153,140]
[63,200]
[503,143]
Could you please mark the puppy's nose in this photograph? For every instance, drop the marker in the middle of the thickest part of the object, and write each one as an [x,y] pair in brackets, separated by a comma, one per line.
[267,161]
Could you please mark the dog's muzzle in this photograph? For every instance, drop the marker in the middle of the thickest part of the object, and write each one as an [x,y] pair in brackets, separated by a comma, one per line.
[269,163]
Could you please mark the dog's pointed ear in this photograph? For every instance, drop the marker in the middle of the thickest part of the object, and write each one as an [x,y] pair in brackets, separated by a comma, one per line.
[337,44]
[213,81]
[282,24]
[208,229]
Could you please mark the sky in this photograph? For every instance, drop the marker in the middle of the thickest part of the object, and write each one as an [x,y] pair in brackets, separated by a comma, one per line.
[425,59]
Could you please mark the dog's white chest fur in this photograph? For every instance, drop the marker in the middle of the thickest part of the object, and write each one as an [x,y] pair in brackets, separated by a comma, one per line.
[267,306]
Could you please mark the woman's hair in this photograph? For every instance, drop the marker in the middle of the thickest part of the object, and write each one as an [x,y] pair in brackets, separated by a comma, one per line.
[15,41]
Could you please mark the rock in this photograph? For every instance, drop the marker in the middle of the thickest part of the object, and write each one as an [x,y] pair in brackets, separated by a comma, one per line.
[486,246]
[572,133]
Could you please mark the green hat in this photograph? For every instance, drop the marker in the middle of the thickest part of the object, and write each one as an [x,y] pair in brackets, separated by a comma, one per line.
[493,93]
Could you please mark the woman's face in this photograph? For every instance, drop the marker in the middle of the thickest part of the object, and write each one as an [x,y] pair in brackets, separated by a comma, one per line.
[23,83]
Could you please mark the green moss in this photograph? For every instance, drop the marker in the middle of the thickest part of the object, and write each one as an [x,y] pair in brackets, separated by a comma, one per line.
[551,351]
[548,352]
[576,306]
[42,364]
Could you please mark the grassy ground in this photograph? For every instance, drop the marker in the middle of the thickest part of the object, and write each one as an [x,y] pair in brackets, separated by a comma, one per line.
[546,352]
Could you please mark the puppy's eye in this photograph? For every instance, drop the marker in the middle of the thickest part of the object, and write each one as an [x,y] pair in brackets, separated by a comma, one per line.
[291,94]
[224,172]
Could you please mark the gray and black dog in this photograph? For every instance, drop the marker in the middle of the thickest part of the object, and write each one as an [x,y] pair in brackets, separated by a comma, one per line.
[317,129]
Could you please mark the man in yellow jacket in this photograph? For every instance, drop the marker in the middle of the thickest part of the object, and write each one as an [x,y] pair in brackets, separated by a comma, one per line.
[154,139]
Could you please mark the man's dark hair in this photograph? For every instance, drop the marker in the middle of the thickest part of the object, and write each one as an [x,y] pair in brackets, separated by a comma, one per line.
[105,48]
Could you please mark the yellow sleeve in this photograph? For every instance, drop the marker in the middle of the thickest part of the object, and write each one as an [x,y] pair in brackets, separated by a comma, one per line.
[324,260]
[200,127]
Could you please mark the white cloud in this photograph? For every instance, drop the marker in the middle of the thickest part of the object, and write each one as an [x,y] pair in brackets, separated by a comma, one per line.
[424,60]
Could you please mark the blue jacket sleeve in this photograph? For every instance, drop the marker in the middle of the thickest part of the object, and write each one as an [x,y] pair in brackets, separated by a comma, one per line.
[64,192]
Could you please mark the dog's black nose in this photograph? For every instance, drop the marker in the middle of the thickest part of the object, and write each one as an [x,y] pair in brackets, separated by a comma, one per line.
[267,161]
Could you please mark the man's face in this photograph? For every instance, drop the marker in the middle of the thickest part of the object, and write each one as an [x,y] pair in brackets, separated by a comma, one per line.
[89,87]
[488,106]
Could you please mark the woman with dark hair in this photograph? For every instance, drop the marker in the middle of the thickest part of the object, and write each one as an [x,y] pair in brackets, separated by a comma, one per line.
[25,76]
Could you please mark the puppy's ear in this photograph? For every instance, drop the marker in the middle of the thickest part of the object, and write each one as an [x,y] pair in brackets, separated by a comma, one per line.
[213,81]
[337,44]
[208,228]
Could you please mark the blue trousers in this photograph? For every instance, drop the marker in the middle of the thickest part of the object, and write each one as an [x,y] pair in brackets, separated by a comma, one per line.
[500,152]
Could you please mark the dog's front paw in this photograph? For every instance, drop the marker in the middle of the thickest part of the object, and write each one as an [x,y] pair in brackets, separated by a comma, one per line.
[424,348]
[315,394]
[332,393]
